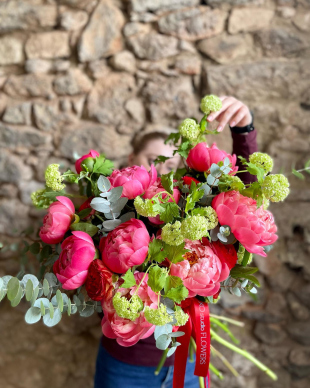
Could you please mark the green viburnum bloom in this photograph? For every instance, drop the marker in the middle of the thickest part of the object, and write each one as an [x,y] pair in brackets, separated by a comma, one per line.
[240,254]
[159,316]
[171,234]
[195,227]
[210,104]
[262,160]
[276,187]
[53,178]
[144,207]
[211,217]
[39,200]
[128,309]
[181,317]
[189,129]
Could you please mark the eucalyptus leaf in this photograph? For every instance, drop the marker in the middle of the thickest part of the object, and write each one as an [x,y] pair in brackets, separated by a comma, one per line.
[46,287]
[159,330]
[18,297]
[34,296]
[87,311]
[50,322]
[13,288]
[51,278]
[51,310]
[1,283]
[215,170]
[103,184]
[33,279]
[111,224]
[60,301]
[163,341]
[118,206]
[69,307]
[100,205]
[253,290]
[206,189]
[244,283]
[115,194]
[127,216]
[33,315]
[42,308]
[2,294]
[211,180]
[177,334]
[236,291]
[226,162]
[171,351]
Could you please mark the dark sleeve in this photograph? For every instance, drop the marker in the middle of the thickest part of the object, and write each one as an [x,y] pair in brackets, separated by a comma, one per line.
[244,145]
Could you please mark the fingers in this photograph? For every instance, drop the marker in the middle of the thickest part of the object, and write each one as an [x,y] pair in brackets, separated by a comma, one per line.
[239,117]
[227,101]
[226,116]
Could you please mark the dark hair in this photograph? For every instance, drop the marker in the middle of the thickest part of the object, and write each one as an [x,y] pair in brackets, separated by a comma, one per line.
[139,141]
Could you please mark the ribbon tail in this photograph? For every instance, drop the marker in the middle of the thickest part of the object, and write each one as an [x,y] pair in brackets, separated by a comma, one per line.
[181,355]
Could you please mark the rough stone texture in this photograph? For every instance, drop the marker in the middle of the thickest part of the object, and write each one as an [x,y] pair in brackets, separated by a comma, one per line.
[193,23]
[81,74]
[101,36]
[11,51]
[48,45]
[251,19]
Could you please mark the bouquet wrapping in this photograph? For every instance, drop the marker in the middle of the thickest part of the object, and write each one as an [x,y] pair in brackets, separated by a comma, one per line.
[153,253]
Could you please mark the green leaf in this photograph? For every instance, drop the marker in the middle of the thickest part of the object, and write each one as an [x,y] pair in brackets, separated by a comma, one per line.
[203,123]
[84,213]
[18,297]
[171,210]
[46,287]
[163,341]
[167,182]
[34,248]
[59,300]
[252,279]
[34,295]
[307,166]
[129,280]
[69,307]
[173,138]
[33,315]
[156,250]
[103,166]
[157,278]
[298,174]
[50,322]
[246,258]
[45,252]
[172,282]
[13,289]
[51,310]
[177,294]
[85,227]
[175,253]
[42,307]
[194,196]
[161,159]
[184,149]
[239,271]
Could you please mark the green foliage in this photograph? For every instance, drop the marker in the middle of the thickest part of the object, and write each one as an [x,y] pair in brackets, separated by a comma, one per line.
[156,250]
[194,196]
[172,282]
[103,166]
[157,278]
[173,138]
[167,182]
[169,211]
[184,149]
[85,227]
[129,280]
[175,253]
[161,159]
[177,294]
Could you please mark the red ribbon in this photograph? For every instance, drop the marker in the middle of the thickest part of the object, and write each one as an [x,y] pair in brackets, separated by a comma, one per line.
[197,326]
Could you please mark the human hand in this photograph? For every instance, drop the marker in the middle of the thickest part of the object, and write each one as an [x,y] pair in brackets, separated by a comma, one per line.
[233,111]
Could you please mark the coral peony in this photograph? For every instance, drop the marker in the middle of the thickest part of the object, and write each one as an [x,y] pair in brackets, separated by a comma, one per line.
[135,180]
[99,284]
[91,155]
[201,271]
[78,251]
[156,188]
[201,157]
[254,228]
[57,221]
[127,332]
[126,246]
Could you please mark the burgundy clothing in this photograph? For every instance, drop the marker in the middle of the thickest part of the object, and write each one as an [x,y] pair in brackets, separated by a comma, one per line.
[145,353]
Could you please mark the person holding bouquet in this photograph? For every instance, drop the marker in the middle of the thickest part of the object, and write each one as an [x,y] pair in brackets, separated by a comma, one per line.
[134,366]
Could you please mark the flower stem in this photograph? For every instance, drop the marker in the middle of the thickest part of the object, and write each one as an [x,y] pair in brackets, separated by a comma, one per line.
[201,382]
[225,361]
[161,362]
[232,321]
[245,354]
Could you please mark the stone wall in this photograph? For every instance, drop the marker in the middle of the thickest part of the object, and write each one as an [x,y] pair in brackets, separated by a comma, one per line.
[81,74]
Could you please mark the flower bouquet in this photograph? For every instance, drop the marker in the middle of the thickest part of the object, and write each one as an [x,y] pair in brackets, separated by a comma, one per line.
[153,252]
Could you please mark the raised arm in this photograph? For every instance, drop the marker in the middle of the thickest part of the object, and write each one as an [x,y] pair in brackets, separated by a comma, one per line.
[238,116]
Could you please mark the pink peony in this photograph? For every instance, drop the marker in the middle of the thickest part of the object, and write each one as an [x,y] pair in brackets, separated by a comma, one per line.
[135,180]
[201,271]
[126,246]
[78,252]
[253,227]
[126,332]
[57,221]
[92,154]
[156,188]
[201,157]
